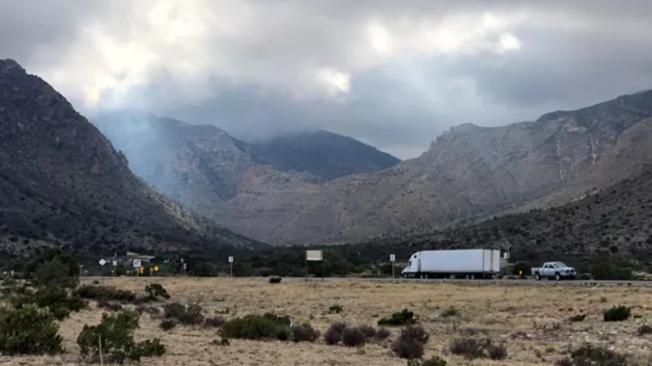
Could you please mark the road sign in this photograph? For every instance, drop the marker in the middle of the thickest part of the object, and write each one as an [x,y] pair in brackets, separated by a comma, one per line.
[115,263]
[392,258]
[137,263]
[230,259]
[102,262]
[314,255]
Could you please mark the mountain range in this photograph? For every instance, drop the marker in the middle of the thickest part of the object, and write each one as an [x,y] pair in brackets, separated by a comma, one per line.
[62,183]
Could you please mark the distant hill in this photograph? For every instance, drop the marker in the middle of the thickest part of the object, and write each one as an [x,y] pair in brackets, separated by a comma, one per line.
[613,225]
[62,183]
[469,174]
[323,154]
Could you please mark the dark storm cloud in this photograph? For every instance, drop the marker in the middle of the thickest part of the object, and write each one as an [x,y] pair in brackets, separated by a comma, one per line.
[394,74]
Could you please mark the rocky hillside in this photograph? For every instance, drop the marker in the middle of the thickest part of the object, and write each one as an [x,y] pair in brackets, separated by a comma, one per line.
[323,154]
[469,173]
[202,166]
[62,183]
[612,225]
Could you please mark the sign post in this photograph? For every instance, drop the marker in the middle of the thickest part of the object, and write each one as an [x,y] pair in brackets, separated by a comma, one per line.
[231,264]
[392,258]
[315,256]
[136,264]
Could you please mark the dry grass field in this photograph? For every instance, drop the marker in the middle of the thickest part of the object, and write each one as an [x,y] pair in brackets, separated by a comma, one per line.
[531,320]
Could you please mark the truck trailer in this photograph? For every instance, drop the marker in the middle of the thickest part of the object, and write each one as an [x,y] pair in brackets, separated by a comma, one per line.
[459,263]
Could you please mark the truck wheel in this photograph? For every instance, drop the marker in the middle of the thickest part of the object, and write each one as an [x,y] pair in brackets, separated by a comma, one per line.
[557,277]
[537,277]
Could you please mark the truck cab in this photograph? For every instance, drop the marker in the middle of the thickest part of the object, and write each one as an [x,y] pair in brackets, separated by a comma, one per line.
[556,270]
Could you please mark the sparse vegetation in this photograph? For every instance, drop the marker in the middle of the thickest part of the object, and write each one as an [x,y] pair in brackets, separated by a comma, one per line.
[644,330]
[450,311]
[589,355]
[156,290]
[403,317]
[617,314]
[433,361]
[334,333]
[268,326]
[115,332]
[353,337]
[275,279]
[304,333]
[410,342]
[56,299]
[106,293]
[471,348]
[335,309]
[167,324]
[184,314]
[29,330]
[214,322]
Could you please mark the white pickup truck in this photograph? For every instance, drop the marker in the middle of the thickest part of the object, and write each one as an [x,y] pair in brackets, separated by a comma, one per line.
[556,270]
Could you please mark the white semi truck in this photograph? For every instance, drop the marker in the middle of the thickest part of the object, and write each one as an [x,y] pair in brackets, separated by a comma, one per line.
[460,263]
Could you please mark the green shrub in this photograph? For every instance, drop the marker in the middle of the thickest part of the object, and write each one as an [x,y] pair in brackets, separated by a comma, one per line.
[353,337]
[116,334]
[55,267]
[450,311]
[156,290]
[268,326]
[496,352]
[335,309]
[403,317]
[106,293]
[29,330]
[607,271]
[333,335]
[410,342]
[184,314]
[304,333]
[616,314]
[589,355]
[57,299]
[275,279]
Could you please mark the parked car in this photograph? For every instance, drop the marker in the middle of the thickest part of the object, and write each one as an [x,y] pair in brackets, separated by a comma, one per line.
[556,270]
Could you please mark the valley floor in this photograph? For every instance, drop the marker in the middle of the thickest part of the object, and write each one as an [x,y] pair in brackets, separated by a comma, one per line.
[532,321]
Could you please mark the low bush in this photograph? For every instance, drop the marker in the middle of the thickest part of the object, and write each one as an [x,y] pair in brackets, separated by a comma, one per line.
[589,355]
[382,333]
[616,314]
[214,322]
[335,309]
[106,293]
[403,317]
[304,333]
[57,299]
[167,324]
[472,348]
[410,342]
[353,337]
[29,331]
[334,333]
[368,331]
[108,305]
[434,361]
[577,318]
[156,290]
[644,330]
[450,311]
[268,326]
[116,334]
[184,314]
[275,279]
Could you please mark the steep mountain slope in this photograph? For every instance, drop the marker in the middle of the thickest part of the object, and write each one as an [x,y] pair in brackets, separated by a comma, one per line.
[469,173]
[202,166]
[197,165]
[323,154]
[61,182]
[613,224]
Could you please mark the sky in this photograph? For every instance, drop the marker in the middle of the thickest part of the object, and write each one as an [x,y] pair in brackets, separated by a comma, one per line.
[394,74]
